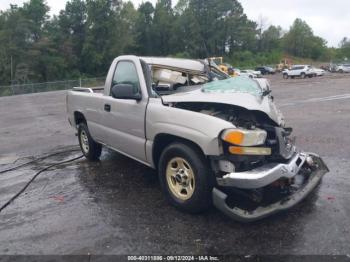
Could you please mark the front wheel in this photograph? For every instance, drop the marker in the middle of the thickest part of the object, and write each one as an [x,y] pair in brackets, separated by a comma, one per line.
[285,76]
[91,149]
[303,75]
[186,178]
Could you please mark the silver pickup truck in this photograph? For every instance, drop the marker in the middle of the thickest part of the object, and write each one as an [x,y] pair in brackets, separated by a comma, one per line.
[213,139]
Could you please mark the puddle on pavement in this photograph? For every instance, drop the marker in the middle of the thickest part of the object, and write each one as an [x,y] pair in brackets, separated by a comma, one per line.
[8,159]
[116,206]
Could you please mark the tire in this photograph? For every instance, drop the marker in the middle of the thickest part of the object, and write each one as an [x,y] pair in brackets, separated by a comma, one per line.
[292,77]
[177,162]
[303,75]
[285,76]
[91,149]
[341,71]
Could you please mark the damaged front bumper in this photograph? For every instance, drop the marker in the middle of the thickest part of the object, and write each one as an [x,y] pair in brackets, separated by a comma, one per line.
[264,176]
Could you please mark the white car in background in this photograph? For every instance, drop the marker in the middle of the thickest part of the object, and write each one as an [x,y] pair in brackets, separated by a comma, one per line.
[252,72]
[318,71]
[249,73]
[343,68]
[302,71]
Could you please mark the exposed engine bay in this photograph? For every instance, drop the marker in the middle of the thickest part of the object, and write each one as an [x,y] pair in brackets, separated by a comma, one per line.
[278,138]
[238,116]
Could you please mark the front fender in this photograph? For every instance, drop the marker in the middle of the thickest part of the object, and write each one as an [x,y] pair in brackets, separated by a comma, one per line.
[201,129]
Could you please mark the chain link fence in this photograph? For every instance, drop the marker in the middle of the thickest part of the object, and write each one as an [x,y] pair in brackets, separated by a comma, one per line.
[12,90]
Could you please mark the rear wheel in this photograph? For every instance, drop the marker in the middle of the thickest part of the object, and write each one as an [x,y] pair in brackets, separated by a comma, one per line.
[302,75]
[91,149]
[186,178]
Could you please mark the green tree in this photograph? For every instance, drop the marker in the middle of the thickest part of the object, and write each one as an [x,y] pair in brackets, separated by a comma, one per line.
[214,27]
[162,28]
[143,28]
[271,39]
[242,32]
[344,49]
[14,39]
[100,36]
[85,37]
[300,41]
[36,14]
[71,32]
[126,30]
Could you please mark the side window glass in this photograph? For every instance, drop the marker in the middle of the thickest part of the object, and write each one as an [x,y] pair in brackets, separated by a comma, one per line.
[126,73]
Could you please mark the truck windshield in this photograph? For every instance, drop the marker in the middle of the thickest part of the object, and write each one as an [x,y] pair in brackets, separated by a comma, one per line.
[238,84]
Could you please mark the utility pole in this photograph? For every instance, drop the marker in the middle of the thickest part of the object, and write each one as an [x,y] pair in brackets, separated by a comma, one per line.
[11,69]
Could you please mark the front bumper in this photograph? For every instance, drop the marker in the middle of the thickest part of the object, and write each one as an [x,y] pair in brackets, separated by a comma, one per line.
[277,171]
[265,175]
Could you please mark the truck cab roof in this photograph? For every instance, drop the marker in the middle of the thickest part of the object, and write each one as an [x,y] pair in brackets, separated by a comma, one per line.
[187,64]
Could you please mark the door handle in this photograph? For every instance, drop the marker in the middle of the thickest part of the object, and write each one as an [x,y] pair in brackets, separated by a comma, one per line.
[107,108]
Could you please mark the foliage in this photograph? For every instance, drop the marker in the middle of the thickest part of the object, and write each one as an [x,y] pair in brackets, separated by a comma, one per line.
[300,41]
[83,39]
[344,51]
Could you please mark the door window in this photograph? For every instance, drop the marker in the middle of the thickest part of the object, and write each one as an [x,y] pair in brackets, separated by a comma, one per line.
[126,73]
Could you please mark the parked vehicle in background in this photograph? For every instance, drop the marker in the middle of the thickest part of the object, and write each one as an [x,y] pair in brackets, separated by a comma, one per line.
[345,68]
[333,67]
[266,70]
[244,73]
[326,67]
[318,71]
[251,72]
[284,64]
[224,67]
[302,71]
[209,135]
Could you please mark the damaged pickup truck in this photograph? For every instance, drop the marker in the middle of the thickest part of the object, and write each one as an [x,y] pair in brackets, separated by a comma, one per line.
[213,139]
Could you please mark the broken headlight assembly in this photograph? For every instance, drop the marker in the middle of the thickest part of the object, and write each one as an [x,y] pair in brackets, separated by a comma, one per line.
[246,142]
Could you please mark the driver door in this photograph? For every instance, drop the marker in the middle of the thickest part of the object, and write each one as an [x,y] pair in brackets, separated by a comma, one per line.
[125,118]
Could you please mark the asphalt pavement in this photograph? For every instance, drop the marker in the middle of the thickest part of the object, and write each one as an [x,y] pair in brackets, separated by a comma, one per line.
[115,206]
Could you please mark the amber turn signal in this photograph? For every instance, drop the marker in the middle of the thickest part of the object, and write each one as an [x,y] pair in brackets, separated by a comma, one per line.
[234,137]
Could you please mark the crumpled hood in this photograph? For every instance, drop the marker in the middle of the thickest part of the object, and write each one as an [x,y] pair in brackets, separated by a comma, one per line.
[245,100]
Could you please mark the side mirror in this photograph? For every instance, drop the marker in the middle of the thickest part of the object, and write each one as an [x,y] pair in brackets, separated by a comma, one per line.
[266,92]
[125,91]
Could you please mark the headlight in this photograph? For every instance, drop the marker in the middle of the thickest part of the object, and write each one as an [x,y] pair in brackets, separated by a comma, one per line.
[243,137]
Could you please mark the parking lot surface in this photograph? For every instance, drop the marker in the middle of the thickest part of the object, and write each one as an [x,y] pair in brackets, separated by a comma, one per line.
[115,206]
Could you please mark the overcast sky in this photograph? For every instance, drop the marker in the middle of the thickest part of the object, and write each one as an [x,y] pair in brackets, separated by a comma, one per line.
[329,19]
